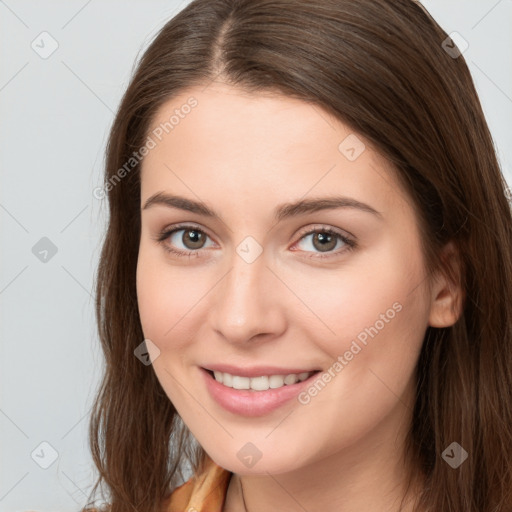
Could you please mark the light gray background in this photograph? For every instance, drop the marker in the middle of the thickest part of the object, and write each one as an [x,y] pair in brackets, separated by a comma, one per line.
[55,114]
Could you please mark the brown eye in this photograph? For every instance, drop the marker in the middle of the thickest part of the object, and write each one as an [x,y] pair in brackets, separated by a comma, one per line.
[183,240]
[193,238]
[324,241]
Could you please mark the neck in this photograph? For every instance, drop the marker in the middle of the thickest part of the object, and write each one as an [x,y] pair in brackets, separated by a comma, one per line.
[365,476]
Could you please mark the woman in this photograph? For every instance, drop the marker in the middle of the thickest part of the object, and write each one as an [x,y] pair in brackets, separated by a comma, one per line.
[304,287]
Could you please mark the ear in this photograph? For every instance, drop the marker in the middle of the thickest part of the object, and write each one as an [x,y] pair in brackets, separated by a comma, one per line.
[447,293]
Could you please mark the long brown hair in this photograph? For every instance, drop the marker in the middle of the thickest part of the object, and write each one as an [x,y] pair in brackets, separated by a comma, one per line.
[379,66]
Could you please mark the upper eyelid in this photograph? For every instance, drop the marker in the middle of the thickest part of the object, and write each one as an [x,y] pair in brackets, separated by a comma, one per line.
[326,227]
[185,226]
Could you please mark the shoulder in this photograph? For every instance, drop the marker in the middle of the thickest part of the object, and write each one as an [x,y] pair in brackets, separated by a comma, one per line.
[205,492]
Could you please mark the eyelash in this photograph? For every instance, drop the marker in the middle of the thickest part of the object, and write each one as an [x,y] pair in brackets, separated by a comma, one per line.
[165,234]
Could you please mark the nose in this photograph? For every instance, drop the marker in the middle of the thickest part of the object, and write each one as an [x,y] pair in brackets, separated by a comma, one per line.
[248,303]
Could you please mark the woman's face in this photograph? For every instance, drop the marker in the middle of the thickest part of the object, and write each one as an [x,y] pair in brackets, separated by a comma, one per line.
[261,289]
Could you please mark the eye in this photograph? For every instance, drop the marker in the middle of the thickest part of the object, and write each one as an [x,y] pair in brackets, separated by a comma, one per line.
[325,239]
[191,238]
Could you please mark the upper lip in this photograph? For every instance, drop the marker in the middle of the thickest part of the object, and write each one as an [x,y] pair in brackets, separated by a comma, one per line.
[255,371]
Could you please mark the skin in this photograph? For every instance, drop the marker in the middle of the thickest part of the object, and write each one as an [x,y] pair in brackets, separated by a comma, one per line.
[243,155]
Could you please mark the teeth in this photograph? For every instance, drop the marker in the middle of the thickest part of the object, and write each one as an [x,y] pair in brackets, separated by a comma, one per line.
[260,383]
[241,382]
[291,379]
[276,381]
[227,380]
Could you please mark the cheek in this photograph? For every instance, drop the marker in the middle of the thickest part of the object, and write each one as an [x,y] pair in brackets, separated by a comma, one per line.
[354,297]
[151,297]
[376,313]
[166,296]
[165,312]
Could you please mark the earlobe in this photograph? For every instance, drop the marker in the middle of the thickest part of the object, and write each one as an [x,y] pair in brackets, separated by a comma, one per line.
[447,294]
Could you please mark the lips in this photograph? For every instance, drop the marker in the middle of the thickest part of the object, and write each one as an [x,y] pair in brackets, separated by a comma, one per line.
[249,402]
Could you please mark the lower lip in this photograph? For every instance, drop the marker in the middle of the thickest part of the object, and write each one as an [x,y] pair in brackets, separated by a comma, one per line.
[246,402]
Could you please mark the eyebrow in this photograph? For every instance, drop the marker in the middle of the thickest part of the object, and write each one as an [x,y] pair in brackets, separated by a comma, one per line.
[282,212]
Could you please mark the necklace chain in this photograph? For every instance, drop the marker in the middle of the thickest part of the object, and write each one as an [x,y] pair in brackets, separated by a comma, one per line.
[242,492]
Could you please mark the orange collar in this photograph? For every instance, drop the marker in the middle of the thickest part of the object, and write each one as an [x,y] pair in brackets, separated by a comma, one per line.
[202,493]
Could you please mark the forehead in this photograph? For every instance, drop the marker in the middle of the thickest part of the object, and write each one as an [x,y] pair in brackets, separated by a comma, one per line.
[256,144]
[240,120]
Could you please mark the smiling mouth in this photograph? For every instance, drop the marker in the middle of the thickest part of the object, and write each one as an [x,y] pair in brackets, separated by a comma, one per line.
[260,383]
